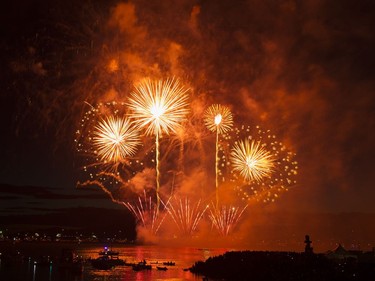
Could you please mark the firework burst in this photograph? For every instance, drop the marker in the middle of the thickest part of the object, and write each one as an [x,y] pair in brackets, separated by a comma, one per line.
[218,118]
[225,218]
[261,166]
[159,107]
[115,139]
[252,160]
[107,139]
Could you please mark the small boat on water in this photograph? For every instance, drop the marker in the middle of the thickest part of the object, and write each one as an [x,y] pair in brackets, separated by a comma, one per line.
[107,259]
[141,266]
[108,252]
[164,268]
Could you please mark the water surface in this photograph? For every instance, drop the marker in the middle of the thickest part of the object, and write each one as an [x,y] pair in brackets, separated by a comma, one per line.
[25,270]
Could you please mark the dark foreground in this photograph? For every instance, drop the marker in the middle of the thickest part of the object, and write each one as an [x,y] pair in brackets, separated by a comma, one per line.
[247,265]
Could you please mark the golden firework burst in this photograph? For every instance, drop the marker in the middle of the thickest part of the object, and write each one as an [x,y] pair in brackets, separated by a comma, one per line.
[115,139]
[252,160]
[159,106]
[218,118]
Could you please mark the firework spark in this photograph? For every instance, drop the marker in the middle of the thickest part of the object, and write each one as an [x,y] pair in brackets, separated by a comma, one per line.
[252,160]
[186,215]
[226,218]
[115,139]
[219,119]
[159,107]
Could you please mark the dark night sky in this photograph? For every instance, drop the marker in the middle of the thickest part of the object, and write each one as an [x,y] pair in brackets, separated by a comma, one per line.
[304,69]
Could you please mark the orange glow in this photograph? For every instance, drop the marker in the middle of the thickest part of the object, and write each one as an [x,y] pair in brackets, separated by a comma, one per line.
[113,65]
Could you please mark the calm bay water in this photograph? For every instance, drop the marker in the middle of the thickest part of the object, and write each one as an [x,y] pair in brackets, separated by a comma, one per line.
[25,270]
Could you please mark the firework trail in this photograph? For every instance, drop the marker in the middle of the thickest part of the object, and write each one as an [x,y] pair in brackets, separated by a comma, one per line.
[159,107]
[103,188]
[218,119]
[225,218]
[146,213]
[185,214]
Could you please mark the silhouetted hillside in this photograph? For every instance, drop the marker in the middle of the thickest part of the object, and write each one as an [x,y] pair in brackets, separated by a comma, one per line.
[84,219]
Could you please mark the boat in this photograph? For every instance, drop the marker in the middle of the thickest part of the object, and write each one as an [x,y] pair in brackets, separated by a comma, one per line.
[162,268]
[108,252]
[141,266]
[103,263]
[170,263]
[107,259]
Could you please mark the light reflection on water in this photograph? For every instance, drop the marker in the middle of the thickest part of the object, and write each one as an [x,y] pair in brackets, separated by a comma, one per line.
[184,257]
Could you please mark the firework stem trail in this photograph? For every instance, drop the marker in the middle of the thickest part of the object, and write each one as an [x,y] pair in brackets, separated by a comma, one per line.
[181,157]
[157,172]
[159,107]
[218,119]
[217,168]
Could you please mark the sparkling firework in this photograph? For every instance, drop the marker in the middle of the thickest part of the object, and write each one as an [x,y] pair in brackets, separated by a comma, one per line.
[225,219]
[115,139]
[108,140]
[146,213]
[159,107]
[218,119]
[252,160]
[278,172]
[185,215]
